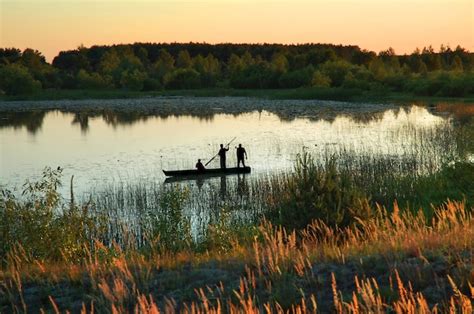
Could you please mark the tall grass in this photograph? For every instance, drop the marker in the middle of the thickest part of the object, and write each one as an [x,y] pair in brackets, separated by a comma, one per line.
[324,246]
[338,188]
[394,262]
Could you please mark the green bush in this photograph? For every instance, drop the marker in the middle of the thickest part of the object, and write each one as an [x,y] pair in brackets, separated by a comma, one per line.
[92,80]
[447,84]
[182,79]
[260,75]
[455,182]
[223,234]
[151,84]
[170,228]
[320,80]
[298,78]
[316,192]
[132,80]
[15,79]
[336,71]
[43,228]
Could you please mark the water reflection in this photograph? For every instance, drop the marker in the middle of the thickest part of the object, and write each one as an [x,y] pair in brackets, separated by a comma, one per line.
[32,121]
[223,187]
[361,113]
[242,187]
[118,144]
[82,120]
[128,112]
[117,154]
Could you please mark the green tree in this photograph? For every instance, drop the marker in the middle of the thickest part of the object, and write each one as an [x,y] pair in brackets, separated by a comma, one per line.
[320,80]
[36,64]
[260,75]
[162,66]
[122,65]
[9,55]
[15,79]
[456,64]
[142,54]
[132,79]
[184,60]
[208,68]
[280,62]
[235,64]
[92,80]
[109,62]
[298,78]
[377,67]
[183,79]
[336,71]
[319,56]
[247,59]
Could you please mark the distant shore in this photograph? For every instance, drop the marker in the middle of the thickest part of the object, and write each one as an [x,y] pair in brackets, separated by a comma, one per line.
[337,94]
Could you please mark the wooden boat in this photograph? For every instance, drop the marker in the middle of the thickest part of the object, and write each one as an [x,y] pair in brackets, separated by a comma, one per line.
[207,172]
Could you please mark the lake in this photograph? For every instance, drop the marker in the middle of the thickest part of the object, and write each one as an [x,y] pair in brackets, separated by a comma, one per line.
[103,146]
[116,149]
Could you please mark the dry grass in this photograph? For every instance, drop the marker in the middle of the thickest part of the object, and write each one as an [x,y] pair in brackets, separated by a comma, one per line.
[278,272]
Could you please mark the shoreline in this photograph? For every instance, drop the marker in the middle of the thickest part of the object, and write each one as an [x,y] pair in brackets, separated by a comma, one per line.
[331,94]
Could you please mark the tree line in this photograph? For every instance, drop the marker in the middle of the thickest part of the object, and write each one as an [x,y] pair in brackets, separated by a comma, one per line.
[149,67]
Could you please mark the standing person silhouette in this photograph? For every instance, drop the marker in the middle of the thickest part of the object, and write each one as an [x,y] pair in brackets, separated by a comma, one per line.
[240,155]
[222,156]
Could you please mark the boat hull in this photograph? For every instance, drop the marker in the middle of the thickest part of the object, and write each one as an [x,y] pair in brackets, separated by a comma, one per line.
[207,172]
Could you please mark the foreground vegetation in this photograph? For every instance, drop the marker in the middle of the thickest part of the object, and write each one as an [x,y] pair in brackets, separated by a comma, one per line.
[394,262]
[315,70]
[322,246]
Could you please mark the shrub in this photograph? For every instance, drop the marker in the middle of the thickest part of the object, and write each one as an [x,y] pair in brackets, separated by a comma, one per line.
[152,84]
[297,78]
[92,81]
[320,80]
[170,228]
[132,80]
[315,192]
[260,75]
[336,71]
[16,80]
[39,224]
[183,79]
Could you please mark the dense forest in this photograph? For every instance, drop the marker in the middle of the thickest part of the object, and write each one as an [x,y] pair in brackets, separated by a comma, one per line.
[149,67]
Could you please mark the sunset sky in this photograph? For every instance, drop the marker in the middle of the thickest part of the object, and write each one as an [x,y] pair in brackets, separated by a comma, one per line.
[51,26]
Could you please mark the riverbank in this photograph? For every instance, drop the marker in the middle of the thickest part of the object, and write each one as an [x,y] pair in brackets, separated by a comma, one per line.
[337,94]
[204,106]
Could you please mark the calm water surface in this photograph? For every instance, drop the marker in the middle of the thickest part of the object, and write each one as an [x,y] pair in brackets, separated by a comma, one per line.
[116,149]
[102,149]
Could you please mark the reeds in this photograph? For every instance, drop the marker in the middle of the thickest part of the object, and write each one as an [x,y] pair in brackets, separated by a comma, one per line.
[397,262]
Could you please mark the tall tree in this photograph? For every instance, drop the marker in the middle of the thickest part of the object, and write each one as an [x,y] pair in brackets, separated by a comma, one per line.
[184,60]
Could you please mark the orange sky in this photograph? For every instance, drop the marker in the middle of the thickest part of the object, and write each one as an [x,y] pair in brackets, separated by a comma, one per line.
[52,25]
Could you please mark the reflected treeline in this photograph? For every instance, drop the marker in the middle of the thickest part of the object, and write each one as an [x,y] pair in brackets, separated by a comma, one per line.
[82,120]
[206,111]
[33,120]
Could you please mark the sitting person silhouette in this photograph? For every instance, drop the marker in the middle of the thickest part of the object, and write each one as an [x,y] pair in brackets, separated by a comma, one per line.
[199,166]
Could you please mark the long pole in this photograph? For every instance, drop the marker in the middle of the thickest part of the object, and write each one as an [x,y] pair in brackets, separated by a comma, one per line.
[218,153]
